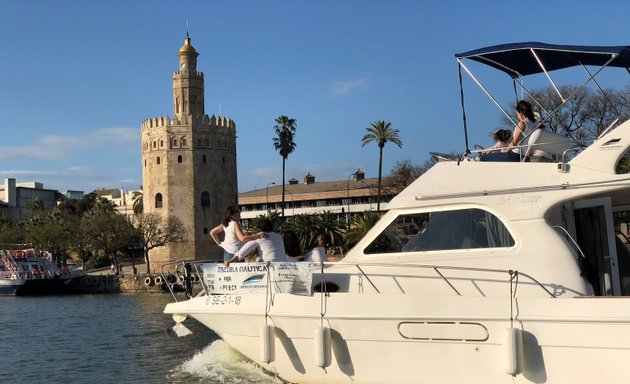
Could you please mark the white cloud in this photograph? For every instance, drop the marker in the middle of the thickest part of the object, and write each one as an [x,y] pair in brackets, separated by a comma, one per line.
[55,147]
[340,88]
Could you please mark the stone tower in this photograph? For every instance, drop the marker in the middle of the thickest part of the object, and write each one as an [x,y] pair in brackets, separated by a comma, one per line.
[189,165]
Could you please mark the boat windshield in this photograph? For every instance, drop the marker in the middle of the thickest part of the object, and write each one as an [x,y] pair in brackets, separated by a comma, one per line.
[440,231]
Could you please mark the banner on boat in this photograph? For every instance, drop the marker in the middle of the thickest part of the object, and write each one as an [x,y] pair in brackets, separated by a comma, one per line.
[241,278]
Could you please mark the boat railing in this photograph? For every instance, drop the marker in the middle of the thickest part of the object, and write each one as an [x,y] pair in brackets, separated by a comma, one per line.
[440,272]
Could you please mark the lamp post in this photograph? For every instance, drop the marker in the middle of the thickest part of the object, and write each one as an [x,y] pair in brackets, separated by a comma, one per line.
[292,201]
[352,175]
[267,194]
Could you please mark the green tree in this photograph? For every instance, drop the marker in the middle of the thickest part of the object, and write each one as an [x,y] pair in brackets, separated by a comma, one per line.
[381,132]
[360,225]
[285,129]
[138,202]
[154,230]
[110,232]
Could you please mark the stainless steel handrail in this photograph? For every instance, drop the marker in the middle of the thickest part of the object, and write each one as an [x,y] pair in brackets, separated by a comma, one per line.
[440,271]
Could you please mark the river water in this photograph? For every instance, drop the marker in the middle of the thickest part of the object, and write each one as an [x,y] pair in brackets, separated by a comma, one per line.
[111,338]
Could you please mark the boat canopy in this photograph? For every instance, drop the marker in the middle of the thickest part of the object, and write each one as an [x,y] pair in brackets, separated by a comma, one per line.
[522,59]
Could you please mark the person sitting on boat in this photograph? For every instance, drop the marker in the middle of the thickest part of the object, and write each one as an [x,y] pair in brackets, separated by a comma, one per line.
[270,246]
[292,246]
[528,121]
[318,254]
[234,236]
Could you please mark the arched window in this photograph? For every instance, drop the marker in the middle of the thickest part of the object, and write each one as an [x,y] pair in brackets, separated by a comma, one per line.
[203,158]
[205,199]
[179,158]
[223,159]
[157,161]
[145,163]
[161,143]
[183,142]
[158,200]
[154,144]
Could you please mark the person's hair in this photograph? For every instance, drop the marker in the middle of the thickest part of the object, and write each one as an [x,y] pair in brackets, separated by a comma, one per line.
[324,237]
[526,109]
[265,225]
[227,215]
[502,135]
[291,244]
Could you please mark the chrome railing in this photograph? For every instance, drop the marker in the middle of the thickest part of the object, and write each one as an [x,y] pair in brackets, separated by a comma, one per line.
[440,272]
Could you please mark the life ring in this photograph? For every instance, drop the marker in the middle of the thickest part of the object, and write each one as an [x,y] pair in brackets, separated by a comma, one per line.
[148,281]
[158,280]
[196,278]
[171,279]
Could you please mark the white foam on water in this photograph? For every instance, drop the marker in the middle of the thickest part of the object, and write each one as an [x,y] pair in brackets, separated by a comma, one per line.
[218,362]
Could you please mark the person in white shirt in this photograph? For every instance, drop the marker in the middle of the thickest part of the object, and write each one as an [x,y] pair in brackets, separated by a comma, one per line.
[270,247]
[234,236]
[318,254]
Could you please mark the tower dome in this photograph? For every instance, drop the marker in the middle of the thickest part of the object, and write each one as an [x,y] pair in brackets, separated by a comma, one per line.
[187,49]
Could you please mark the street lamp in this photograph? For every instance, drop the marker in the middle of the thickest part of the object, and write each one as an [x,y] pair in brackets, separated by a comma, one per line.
[292,201]
[267,194]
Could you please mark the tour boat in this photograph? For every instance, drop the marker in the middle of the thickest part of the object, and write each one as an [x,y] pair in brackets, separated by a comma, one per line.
[31,272]
[479,272]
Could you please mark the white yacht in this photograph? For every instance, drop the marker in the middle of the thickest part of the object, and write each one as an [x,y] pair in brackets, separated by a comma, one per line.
[480,272]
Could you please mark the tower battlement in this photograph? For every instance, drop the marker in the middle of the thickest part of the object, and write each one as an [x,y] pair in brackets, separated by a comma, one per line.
[197,120]
[196,73]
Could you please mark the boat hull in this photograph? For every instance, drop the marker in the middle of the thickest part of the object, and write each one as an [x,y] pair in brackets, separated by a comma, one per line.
[416,339]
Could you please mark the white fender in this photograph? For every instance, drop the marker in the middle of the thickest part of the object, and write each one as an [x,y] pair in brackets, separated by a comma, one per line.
[322,347]
[267,342]
[512,350]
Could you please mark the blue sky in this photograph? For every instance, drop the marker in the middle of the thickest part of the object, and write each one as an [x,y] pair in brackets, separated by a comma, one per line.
[77,78]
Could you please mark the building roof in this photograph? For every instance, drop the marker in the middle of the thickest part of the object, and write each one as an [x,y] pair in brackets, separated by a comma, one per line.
[312,191]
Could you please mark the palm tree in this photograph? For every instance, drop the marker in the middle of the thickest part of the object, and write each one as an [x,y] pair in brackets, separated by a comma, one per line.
[284,144]
[381,132]
[138,203]
[361,224]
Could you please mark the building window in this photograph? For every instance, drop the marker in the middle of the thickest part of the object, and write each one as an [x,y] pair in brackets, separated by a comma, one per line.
[203,158]
[154,144]
[183,142]
[158,200]
[205,199]
[223,159]
[161,143]
[179,158]
[157,161]
[145,163]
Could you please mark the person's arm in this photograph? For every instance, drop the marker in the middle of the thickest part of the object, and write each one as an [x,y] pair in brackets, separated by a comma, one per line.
[518,132]
[243,237]
[215,232]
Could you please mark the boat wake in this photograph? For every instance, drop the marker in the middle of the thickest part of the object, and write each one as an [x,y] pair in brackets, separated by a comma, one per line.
[218,363]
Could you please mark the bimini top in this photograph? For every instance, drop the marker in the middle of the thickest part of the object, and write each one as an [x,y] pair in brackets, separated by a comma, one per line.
[522,59]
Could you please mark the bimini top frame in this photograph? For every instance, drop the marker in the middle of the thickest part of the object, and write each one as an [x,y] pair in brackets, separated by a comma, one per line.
[518,60]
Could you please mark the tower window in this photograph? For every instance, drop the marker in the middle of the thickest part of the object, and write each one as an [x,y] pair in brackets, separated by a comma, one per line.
[154,144]
[158,200]
[157,161]
[205,199]
[179,158]
[161,143]
[223,159]
[145,163]
[203,159]
[183,142]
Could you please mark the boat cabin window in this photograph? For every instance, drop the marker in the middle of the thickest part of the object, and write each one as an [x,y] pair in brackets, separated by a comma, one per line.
[623,165]
[440,231]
